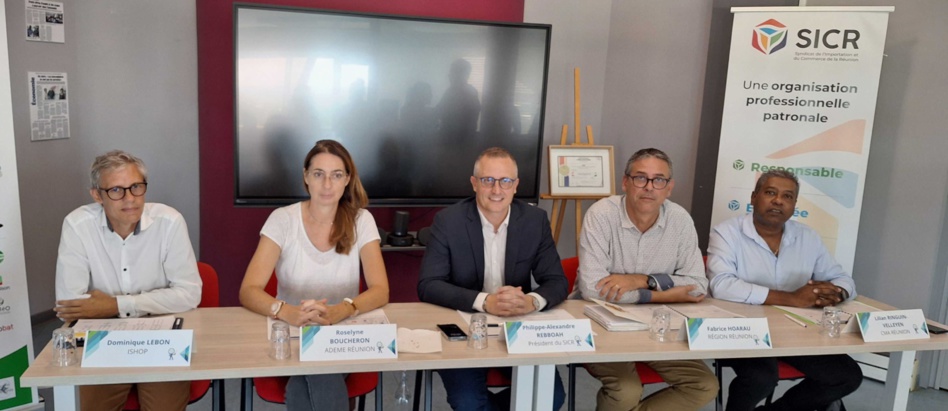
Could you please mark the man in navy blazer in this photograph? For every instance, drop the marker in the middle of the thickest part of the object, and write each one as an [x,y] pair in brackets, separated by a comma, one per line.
[481,256]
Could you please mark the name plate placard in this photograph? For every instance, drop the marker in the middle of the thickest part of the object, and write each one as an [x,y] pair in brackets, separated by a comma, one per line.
[893,325]
[531,337]
[348,342]
[153,348]
[728,334]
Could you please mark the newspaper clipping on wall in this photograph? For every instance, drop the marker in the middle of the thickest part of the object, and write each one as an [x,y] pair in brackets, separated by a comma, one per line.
[44,21]
[49,107]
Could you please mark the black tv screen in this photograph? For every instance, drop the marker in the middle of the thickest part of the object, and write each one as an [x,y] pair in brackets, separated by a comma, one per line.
[413,100]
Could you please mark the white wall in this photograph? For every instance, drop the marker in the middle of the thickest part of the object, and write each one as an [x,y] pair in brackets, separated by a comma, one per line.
[580,38]
[132,71]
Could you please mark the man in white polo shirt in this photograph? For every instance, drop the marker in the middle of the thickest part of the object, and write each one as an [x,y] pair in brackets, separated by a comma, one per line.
[122,257]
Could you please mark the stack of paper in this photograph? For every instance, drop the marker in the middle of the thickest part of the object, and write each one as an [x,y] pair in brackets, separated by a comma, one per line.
[612,322]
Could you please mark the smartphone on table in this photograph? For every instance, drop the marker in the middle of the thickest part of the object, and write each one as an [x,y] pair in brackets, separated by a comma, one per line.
[452,332]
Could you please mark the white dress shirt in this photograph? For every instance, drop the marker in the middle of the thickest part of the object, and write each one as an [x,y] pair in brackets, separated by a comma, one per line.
[152,271]
[495,254]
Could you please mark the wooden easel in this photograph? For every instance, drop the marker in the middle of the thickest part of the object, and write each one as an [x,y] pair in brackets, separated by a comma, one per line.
[560,201]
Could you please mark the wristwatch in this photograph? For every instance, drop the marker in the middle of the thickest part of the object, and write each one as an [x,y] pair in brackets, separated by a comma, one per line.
[652,284]
[536,303]
[355,310]
[276,307]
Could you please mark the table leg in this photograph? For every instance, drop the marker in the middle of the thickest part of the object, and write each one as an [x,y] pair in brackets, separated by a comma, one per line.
[66,397]
[522,389]
[428,378]
[217,395]
[543,388]
[898,380]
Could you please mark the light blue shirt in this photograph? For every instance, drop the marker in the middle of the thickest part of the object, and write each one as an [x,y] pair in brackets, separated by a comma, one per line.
[742,268]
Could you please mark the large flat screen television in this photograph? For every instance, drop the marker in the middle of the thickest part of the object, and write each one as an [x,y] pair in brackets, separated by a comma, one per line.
[414,100]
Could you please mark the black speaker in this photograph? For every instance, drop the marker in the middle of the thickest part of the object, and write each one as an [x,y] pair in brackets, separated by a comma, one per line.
[424,235]
[400,228]
[399,236]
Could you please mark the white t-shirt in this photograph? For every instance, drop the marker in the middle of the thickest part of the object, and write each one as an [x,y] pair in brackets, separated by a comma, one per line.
[303,272]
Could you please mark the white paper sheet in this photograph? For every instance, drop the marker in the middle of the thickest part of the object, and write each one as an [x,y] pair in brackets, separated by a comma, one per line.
[418,341]
[163,322]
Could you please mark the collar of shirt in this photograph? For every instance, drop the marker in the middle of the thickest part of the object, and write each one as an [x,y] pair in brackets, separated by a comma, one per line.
[142,224]
[487,224]
[627,221]
[787,239]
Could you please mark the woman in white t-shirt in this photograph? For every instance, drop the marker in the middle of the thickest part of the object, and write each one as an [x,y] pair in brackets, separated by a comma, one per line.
[315,247]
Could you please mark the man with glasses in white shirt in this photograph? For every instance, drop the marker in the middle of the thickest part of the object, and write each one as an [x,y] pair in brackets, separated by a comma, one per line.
[642,248]
[481,257]
[123,257]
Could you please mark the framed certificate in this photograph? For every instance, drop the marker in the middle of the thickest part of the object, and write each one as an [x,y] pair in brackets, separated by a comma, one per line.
[581,170]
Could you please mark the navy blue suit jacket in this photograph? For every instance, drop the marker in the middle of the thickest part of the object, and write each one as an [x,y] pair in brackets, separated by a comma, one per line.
[452,271]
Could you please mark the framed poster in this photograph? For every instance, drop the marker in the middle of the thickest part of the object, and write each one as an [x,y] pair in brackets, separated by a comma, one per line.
[581,170]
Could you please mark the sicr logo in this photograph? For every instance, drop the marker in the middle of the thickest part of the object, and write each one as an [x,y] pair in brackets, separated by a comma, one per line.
[769,36]
[734,205]
[738,164]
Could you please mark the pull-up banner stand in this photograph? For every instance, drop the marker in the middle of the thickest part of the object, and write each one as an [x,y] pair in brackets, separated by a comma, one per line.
[801,94]
[16,336]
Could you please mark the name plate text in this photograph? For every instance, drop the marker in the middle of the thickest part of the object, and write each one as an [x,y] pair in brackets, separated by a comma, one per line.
[893,325]
[728,334]
[348,342]
[530,337]
[154,348]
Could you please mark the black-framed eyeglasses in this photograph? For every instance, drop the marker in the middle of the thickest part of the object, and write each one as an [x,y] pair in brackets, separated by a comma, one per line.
[505,182]
[658,183]
[117,193]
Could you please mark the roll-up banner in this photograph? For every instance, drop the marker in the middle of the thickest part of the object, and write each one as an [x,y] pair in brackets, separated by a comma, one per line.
[16,336]
[801,93]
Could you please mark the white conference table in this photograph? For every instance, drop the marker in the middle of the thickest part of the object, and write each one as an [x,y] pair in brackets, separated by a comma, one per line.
[231,343]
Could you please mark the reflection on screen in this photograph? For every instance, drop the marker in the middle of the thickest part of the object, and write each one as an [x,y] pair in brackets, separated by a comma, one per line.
[414,101]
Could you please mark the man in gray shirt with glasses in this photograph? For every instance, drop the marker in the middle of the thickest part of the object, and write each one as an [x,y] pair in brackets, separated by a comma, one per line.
[642,248]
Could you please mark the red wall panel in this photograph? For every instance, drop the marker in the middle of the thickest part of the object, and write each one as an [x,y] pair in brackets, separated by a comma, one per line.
[229,234]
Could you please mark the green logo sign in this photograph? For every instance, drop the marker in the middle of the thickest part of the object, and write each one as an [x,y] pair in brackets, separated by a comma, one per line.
[1,256]
[739,164]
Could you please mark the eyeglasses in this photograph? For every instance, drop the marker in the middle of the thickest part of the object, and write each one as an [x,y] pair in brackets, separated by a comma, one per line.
[117,193]
[658,183]
[335,177]
[505,182]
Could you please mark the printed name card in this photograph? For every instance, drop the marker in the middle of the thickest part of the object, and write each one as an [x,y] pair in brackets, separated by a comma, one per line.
[154,348]
[728,334]
[893,325]
[348,342]
[531,337]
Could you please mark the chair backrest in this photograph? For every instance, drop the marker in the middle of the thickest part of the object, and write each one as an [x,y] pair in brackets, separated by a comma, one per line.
[570,265]
[271,287]
[210,291]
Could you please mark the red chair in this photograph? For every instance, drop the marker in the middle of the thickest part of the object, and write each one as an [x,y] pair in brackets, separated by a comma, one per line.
[273,389]
[210,297]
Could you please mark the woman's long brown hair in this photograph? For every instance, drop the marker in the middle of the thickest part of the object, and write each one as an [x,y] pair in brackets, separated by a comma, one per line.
[343,233]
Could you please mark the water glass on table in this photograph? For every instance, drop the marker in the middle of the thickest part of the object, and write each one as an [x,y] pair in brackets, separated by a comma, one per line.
[280,341]
[658,329]
[831,322]
[64,347]
[478,331]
